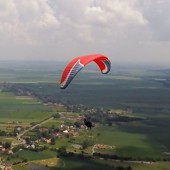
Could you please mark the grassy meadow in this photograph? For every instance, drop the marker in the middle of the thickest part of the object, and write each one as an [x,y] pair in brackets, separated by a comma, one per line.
[21,109]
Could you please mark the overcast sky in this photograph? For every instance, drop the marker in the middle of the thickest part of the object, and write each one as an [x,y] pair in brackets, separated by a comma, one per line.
[133,31]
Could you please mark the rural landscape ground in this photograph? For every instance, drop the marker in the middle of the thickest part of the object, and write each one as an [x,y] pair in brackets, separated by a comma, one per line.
[42,128]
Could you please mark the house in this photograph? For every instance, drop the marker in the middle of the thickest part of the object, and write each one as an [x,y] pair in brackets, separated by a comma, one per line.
[57,135]
[65,131]
[44,129]
[10,152]
[2,167]
[7,168]
[2,149]
[33,146]
[77,146]
[46,140]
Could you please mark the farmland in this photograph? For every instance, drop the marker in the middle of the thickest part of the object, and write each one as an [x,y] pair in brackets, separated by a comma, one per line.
[30,94]
[21,109]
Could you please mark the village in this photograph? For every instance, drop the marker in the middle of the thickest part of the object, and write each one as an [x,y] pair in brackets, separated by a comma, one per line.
[39,137]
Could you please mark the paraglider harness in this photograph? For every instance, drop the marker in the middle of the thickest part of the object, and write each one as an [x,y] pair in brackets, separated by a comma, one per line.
[88,123]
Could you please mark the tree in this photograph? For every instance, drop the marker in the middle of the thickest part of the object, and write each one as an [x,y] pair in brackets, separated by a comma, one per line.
[109,123]
[129,168]
[53,141]
[62,151]
[7,145]
[28,140]
[86,143]
[57,116]
[77,124]
[98,134]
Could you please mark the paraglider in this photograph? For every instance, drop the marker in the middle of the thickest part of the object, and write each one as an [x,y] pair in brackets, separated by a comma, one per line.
[88,123]
[79,62]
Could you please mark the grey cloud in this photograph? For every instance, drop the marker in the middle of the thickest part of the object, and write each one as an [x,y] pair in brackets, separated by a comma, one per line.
[26,21]
[158,15]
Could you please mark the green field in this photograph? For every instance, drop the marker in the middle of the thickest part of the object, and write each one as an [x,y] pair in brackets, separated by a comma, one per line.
[135,145]
[30,155]
[21,109]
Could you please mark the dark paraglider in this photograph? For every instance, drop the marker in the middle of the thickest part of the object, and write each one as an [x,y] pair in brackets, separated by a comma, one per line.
[88,123]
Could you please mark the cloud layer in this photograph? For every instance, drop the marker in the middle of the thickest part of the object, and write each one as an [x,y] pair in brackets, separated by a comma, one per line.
[130,30]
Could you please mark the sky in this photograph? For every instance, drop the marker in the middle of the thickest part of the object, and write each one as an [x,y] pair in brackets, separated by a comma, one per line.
[127,31]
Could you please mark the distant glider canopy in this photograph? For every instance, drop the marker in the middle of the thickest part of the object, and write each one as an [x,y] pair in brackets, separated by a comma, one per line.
[79,62]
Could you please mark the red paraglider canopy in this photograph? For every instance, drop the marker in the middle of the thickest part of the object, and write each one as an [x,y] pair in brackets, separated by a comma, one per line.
[79,62]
